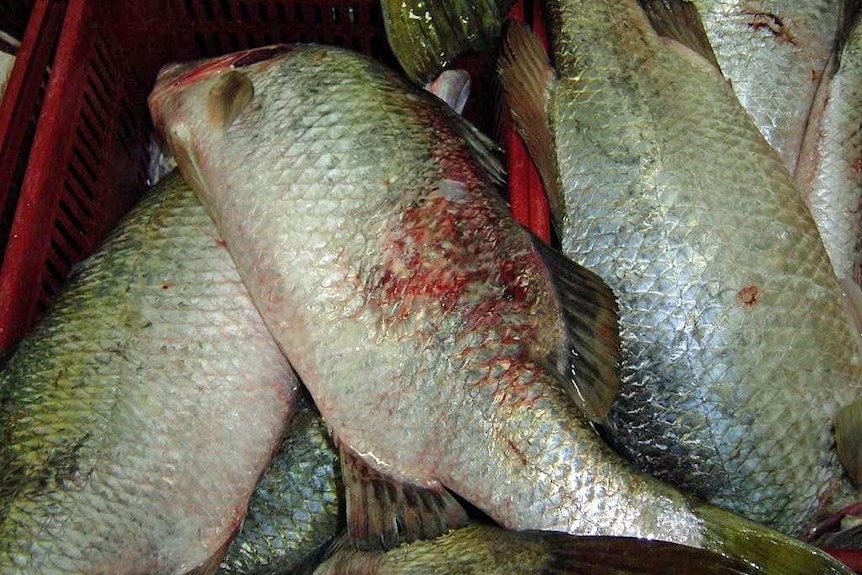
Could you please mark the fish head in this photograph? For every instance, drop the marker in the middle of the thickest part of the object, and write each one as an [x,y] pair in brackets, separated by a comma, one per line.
[197,100]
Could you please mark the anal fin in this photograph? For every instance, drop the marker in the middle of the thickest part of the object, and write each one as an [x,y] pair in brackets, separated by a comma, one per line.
[590,355]
[527,77]
[679,20]
[848,439]
[383,513]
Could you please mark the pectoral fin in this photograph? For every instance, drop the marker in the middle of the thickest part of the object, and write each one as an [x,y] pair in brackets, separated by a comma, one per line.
[848,439]
[590,357]
[679,20]
[383,513]
[527,77]
[230,95]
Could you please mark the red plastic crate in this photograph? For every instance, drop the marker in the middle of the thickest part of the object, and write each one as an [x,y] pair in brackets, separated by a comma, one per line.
[74,127]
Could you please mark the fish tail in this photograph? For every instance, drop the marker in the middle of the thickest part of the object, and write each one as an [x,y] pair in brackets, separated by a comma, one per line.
[771,551]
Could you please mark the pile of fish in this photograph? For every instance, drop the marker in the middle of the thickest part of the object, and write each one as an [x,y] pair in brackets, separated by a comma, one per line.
[323,344]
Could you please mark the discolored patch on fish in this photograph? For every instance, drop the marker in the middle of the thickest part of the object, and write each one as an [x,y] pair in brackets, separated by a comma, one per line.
[383,512]
[748,295]
[772,23]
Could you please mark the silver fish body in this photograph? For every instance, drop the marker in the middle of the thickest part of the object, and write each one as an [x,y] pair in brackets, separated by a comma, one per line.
[138,415]
[829,173]
[364,212]
[737,348]
[295,508]
[774,53]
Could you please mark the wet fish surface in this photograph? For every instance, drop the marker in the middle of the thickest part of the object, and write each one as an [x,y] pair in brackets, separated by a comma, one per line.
[426,36]
[138,415]
[298,505]
[480,549]
[445,347]
[774,53]
[737,351]
[829,173]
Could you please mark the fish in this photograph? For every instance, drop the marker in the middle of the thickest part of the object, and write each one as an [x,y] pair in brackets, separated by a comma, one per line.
[829,173]
[139,413]
[426,36]
[737,351]
[452,354]
[774,53]
[297,506]
[488,550]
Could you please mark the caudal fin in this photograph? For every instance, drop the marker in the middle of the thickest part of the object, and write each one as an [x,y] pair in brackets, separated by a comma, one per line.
[763,547]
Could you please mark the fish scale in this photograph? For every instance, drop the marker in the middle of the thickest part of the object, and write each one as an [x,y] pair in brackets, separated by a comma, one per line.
[127,445]
[464,384]
[774,54]
[737,350]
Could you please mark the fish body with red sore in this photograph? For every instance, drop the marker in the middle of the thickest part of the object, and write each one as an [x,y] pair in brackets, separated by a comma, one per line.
[433,331]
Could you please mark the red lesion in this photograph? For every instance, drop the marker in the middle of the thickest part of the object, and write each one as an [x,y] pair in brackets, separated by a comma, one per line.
[772,23]
[748,295]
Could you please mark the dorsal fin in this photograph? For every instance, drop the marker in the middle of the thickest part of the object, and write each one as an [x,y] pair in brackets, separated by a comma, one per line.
[679,20]
[527,78]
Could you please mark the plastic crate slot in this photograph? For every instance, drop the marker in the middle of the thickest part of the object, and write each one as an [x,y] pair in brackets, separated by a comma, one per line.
[298,14]
[351,14]
[209,14]
[95,100]
[96,130]
[262,14]
[87,169]
[55,274]
[267,39]
[234,42]
[82,183]
[190,9]
[84,133]
[104,60]
[73,242]
[77,197]
[316,14]
[48,294]
[64,258]
[245,15]
[75,221]
[200,44]
[334,14]
[225,8]
[99,87]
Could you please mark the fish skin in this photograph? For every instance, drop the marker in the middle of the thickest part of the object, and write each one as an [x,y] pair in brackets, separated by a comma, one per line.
[339,168]
[481,549]
[296,507]
[426,36]
[829,173]
[774,52]
[676,200]
[125,415]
